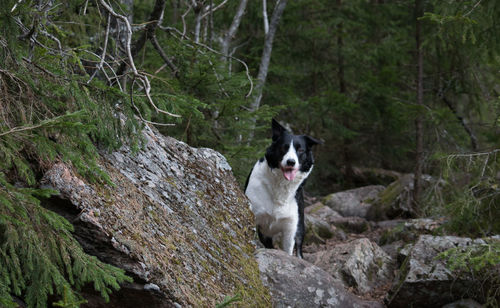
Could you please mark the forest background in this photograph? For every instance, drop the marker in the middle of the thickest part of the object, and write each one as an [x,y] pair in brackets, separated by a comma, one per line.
[408,86]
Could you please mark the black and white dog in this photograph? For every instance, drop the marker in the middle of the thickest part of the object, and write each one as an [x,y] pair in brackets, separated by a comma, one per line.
[275,186]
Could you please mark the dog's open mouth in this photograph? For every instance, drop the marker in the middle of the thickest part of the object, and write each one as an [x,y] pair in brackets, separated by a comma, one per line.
[289,172]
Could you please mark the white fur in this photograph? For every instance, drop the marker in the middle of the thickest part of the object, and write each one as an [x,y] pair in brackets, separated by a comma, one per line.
[273,203]
[291,154]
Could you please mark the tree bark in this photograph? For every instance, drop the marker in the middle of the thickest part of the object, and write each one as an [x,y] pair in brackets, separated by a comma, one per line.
[419,130]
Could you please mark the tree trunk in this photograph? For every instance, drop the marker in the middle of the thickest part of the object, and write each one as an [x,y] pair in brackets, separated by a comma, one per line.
[198,11]
[265,59]
[419,130]
[231,32]
[346,142]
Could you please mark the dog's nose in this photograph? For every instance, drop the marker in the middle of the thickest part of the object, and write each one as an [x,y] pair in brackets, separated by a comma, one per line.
[290,162]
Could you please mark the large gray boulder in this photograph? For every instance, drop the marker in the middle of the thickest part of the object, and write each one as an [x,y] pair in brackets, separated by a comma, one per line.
[359,264]
[354,202]
[425,281]
[297,283]
[175,219]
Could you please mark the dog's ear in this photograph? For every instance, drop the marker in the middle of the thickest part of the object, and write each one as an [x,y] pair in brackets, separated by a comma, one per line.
[310,141]
[278,130]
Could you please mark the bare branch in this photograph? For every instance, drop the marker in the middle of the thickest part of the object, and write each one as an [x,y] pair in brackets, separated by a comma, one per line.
[144,80]
[168,62]
[106,36]
[183,17]
[85,7]
[472,9]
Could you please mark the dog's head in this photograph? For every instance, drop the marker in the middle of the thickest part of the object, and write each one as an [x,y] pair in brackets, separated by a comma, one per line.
[290,153]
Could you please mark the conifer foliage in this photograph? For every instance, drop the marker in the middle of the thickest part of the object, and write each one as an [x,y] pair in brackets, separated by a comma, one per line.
[48,113]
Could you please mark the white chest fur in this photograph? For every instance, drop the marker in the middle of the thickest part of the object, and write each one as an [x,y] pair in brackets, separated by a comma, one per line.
[273,203]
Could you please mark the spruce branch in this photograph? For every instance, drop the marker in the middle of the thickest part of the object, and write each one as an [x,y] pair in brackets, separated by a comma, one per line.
[181,39]
[44,123]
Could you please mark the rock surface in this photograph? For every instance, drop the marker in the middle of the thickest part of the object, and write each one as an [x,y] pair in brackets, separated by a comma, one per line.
[359,264]
[354,202]
[175,218]
[296,283]
[425,281]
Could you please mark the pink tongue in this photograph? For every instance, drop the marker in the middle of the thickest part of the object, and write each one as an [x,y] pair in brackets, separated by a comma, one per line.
[290,174]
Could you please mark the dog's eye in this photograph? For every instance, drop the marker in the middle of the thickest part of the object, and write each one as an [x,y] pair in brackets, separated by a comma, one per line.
[285,147]
[300,150]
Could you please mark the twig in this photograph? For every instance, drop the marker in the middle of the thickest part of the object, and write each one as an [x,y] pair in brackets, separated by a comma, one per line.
[15,5]
[25,128]
[39,67]
[472,9]
[139,112]
[104,71]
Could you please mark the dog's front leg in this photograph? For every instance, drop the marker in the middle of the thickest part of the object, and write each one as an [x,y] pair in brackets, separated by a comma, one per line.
[288,243]
[288,233]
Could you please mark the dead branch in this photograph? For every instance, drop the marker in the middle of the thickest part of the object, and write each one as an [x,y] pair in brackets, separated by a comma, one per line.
[144,80]
[168,62]
[104,49]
